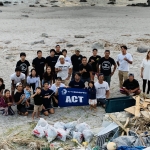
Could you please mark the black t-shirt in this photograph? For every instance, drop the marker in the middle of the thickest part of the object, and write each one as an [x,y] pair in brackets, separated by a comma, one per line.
[47,77]
[76,61]
[57,54]
[2,87]
[79,85]
[106,65]
[38,99]
[24,66]
[39,65]
[88,69]
[51,61]
[17,98]
[131,85]
[94,64]
[46,101]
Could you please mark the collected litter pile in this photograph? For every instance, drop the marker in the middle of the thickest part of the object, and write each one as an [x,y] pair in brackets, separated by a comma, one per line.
[72,130]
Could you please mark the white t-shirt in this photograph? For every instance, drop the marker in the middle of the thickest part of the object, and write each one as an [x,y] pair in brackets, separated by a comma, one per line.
[146,72]
[54,87]
[123,64]
[101,89]
[67,59]
[65,68]
[17,79]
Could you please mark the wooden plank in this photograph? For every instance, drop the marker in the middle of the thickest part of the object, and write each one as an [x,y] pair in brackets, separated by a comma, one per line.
[137,107]
[130,110]
[146,114]
[125,125]
[117,122]
[145,104]
[147,100]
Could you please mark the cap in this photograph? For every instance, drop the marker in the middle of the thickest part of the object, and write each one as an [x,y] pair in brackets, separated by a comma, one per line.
[61,56]
[19,83]
[77,49]
[131,74]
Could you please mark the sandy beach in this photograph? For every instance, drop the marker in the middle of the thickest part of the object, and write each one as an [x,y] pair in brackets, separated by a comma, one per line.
[108,25]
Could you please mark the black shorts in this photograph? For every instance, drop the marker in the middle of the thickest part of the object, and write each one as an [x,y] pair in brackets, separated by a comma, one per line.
[101,100]
[22,109]
[47,108]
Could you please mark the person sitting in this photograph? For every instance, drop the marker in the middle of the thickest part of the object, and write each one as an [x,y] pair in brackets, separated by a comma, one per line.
[131,86]
[6,103]
[27,92]
[2,85]
[55,88]
[77,82]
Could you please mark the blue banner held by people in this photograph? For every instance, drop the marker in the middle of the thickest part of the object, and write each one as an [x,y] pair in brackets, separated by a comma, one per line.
[72,97]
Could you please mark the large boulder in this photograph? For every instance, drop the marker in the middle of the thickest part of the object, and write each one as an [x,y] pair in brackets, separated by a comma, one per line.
[98,45]
[142,49]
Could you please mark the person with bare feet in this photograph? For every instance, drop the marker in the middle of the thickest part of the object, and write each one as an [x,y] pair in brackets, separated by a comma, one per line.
[38,102]
[92,96]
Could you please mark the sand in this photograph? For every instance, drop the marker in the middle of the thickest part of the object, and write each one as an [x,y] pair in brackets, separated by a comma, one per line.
[108,25]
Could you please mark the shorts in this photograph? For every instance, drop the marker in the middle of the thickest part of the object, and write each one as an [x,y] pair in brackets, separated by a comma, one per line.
[38,108]
[22,109]
[101,101]
[92,101]
[47,108]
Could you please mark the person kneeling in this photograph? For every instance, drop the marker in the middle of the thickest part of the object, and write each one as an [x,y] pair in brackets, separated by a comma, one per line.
[131,86]
[38,102]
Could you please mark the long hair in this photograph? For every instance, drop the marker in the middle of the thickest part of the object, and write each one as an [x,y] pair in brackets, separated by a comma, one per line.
[7,100]
[147,57]
[31,72]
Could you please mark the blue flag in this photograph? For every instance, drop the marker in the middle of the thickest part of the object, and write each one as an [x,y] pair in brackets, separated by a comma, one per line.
[72,97]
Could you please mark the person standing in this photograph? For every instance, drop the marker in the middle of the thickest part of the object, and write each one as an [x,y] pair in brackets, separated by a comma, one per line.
[58,51]
[63,69]
[77,82]
[145,72]
[123,61]
[93,61]
[23,64]
[106,63]
[102,90]
[85,70]
[67,58]
[15,78]
[39,63]
[76,60]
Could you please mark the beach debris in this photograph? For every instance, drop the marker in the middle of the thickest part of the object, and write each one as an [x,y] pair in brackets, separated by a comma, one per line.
[111,146]
[79,36]
[142,49]
[44,35]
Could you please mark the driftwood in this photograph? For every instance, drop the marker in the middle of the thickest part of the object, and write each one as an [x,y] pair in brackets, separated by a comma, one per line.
[125,125]
[137,107]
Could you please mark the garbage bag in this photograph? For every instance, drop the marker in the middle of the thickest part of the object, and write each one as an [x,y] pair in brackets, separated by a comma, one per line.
[69,133]
[88,135]
[82,126]
[78,136]
[71,125]
[42,122]
[51,133]
[130,148]
[61,134]
[59,125]
[38,132]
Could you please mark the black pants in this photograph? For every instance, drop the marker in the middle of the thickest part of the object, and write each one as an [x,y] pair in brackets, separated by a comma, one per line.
[144,86]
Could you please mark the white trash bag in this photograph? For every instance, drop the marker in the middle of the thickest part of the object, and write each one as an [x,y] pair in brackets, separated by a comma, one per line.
[61,134]
[82,126]
[42,122]
[59,125]
[71,125]
[88,135]
[78,136]
[38,132]
[51,133]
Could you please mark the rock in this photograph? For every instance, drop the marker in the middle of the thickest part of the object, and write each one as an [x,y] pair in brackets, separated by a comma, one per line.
[92,4]
[38,42]
[69,45]
[79,36]
[15,2]
[111,3]
[53,1]
[44,35]
[83,0]
[25,16]
[37,2]
[7,2]
[7,42]
[142,49]
[60,40]
[8,57]
[0,10]
[31,5]
[55,6]
[21,1]
[139,4]
[1,4]
[98,45]
[43,6]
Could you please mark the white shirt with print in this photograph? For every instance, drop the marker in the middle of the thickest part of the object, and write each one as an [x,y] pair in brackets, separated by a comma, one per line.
[17,79]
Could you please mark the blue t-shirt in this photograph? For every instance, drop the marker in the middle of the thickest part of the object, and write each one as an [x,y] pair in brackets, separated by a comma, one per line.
[46,101]
[79,85]
[92,92]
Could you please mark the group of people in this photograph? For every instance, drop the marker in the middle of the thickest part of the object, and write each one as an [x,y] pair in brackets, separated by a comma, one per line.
[59,70]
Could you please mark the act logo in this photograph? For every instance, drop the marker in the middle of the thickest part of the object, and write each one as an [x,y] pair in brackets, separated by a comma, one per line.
[64,92]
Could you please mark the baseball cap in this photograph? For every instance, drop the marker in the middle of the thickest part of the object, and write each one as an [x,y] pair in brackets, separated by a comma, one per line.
[19,83]
[77,49]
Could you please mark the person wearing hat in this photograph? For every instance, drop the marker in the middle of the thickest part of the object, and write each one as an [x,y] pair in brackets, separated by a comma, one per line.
[19,97]
[102,90]
[131,86]
[76,60]
[63,69]
[123,61]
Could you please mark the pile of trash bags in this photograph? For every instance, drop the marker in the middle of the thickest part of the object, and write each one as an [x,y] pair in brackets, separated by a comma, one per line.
[72,130]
